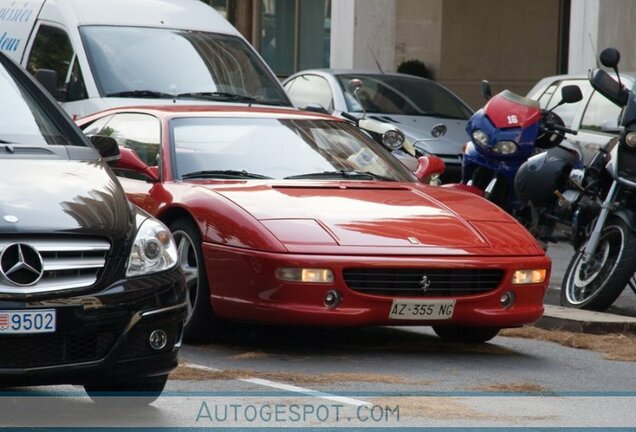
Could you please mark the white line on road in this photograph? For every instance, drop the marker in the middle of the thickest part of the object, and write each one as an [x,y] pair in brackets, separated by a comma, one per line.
[306,391]
[287,387]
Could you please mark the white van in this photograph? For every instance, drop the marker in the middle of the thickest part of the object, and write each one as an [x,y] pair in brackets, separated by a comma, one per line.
[96,54]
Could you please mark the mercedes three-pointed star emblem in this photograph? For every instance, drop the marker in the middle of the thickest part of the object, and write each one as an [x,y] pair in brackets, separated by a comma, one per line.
[21,264]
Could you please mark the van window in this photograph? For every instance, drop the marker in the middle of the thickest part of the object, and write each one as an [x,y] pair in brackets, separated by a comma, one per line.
[52,50]
[133,62]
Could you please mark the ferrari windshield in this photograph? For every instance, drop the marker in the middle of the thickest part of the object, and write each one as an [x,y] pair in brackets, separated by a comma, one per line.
[23,121]
[153,62]
[396,94]
[257,148]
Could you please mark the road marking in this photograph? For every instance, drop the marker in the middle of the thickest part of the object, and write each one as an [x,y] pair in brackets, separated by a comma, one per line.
[305,391]
[287,387]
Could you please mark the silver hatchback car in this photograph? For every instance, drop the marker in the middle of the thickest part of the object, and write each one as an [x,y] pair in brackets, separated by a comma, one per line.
[413,104]
[594,117]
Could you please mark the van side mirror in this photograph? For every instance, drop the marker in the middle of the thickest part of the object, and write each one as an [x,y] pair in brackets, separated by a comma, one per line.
[106,146]
[603,83]
[48,79]
[130,161]
[486,90]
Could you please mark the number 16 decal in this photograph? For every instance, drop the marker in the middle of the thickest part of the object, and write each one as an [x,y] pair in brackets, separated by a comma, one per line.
[512,119]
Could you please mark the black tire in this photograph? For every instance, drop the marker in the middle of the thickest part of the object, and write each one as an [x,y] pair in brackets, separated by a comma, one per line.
[466,334]
[142,391]
[190,258]
[611,270]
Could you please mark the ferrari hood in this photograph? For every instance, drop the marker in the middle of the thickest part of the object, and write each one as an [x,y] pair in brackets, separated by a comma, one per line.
[372,215]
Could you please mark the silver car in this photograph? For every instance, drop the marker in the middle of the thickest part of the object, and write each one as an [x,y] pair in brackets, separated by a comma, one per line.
[594,117]
[413,104]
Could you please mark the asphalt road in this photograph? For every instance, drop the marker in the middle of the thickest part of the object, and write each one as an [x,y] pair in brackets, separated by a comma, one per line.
[561,253]
[285,377]
[369,378]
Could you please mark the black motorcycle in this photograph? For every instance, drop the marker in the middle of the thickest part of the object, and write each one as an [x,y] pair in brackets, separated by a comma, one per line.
[595,203]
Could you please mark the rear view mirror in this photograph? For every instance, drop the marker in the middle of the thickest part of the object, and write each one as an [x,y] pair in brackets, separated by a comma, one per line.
[355,85]
[106,146]
[428,166]
[571,94]
[48,79]
[610,57]
[130,161]
[603,83]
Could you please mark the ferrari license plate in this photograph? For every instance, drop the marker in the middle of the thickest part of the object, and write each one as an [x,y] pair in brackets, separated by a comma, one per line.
[26,322]
[422,310]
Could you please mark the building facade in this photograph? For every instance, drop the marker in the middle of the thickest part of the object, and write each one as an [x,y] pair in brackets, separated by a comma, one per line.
[511,43]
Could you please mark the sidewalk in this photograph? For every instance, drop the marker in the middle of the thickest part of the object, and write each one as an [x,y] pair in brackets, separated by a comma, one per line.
[582,321]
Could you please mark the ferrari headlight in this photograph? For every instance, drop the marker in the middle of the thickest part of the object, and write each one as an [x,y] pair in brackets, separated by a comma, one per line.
[153,250]
[630,139]
[393,139]
[480,137]
[505,147]
[523,277]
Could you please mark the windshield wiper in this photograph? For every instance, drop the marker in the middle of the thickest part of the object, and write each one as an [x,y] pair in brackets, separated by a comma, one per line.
[341,174]
[229,174]
[142,94]
[219,96]
[6,142]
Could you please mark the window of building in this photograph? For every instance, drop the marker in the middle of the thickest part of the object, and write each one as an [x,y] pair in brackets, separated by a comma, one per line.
[295,34]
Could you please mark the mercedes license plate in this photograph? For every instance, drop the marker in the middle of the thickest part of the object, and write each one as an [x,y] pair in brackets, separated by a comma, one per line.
[422,310]
[27,321]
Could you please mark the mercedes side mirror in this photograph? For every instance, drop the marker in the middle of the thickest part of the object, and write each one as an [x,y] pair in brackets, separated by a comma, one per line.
[106,147]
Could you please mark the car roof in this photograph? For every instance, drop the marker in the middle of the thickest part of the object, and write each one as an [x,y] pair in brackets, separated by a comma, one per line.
[174,111]
[179,14]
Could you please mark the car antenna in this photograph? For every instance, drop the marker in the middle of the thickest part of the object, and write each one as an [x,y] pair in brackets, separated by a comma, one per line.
[375,58]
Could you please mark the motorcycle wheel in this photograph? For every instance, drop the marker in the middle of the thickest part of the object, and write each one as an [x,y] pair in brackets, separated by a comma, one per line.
[598,283]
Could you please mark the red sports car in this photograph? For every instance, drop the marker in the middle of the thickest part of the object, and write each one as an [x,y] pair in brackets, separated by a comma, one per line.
[284,216]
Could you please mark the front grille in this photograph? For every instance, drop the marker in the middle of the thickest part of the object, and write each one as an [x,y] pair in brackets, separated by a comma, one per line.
[410,282]
[68,262]
[28,351]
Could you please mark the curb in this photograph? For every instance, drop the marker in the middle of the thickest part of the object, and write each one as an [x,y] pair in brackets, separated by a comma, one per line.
[582,321]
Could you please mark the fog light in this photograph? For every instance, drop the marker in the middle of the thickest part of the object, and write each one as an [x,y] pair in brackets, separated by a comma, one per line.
[507,299]
[522,277]
[332,298]
[309,275]
[158,340]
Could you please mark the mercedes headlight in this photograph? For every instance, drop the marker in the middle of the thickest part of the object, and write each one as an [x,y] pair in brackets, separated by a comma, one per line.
[153,250]
[505,147]
[393,139]
[480,137]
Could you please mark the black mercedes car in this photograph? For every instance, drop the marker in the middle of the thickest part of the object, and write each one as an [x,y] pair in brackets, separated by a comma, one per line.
[90,292]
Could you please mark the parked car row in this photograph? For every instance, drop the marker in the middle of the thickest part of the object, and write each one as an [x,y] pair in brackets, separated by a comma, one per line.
[240,206]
